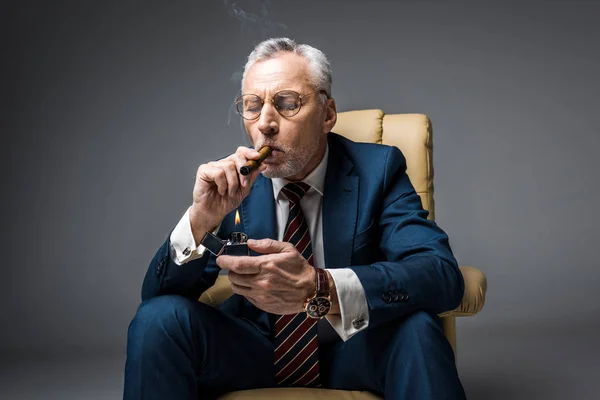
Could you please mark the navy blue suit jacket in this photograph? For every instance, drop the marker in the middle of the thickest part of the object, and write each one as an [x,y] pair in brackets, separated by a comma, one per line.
[373,223]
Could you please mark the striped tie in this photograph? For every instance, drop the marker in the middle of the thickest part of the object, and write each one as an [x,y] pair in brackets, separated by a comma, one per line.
[296,347]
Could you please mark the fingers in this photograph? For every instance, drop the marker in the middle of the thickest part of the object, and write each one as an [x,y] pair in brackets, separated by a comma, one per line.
[223,173]
[233,181]
[241,281]
[240,264]
[241,156]
[270,246]
[248,153]
[241,290]
[212,174]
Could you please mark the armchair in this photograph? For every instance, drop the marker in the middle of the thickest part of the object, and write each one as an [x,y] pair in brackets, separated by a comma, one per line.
[412,133]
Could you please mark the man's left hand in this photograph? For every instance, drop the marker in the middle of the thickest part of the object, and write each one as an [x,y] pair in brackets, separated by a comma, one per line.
[278,281]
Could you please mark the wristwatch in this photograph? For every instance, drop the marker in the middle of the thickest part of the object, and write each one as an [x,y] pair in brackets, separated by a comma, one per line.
[319,305]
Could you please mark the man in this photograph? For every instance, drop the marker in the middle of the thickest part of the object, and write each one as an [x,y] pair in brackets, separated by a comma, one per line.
[346,276]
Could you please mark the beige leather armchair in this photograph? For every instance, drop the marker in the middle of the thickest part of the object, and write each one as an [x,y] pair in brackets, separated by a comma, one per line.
[412,133]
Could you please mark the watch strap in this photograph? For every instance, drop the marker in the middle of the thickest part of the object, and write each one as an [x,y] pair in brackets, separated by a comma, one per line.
[322,280]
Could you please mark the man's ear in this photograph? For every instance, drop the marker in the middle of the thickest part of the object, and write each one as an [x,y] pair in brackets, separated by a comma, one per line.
[330,116]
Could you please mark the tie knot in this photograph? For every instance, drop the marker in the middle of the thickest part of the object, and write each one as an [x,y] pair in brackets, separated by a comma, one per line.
[294,191]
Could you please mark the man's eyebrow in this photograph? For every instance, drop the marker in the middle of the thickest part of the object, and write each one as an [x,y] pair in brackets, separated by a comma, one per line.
[274,89]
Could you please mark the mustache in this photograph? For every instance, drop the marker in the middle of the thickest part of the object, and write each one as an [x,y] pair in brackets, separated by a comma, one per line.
[273,146]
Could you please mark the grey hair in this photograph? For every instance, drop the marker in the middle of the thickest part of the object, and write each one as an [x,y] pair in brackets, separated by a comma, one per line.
[318,64]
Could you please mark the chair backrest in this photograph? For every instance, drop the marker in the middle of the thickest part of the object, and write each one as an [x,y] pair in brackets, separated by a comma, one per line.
[411,133]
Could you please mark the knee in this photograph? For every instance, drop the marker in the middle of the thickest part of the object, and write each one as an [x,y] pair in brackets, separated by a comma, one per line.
[158,317]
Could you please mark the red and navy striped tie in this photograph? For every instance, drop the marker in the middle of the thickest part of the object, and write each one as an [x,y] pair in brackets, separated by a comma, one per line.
[296,347]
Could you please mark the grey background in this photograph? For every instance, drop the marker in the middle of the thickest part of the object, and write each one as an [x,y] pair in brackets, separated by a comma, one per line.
[108,108]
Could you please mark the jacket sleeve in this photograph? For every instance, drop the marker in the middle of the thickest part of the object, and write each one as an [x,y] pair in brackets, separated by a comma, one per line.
[419,271]
[190,279]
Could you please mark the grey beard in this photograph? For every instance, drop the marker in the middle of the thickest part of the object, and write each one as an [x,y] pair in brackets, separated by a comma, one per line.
[293,166]
[282,171]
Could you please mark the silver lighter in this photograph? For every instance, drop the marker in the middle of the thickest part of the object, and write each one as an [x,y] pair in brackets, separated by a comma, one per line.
[234,246]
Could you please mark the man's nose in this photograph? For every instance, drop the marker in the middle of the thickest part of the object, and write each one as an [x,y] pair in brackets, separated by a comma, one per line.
[268,122]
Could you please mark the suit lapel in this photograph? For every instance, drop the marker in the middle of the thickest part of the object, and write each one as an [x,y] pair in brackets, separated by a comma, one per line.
[259,222]
[258,211]
[340,207]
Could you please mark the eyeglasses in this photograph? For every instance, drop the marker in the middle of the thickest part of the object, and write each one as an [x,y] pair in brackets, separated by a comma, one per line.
[287,103]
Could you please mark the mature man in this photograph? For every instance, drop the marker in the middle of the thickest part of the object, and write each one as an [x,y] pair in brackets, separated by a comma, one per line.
[346,276]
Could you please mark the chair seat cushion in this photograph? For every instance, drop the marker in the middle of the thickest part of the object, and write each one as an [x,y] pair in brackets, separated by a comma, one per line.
[298,393]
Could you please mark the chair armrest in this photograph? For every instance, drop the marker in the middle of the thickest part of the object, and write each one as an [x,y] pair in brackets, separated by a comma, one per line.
[474,297]
[472,303]
[217,293]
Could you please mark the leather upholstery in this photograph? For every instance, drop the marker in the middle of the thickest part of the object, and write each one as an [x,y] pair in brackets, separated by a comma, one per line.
[298,394]
[412,133]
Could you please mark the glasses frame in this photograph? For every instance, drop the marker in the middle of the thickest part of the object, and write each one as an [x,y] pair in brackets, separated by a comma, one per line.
[263,101]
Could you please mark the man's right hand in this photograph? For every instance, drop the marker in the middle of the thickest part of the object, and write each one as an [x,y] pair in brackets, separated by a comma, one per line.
[220,189]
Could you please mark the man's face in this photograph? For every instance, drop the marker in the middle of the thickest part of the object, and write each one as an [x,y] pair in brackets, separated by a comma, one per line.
[298,142]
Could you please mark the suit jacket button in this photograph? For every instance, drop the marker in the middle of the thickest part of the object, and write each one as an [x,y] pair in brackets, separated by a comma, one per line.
[404,296]
[386,297]
[160,267]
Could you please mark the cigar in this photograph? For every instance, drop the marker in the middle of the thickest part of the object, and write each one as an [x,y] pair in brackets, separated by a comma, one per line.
[251,165]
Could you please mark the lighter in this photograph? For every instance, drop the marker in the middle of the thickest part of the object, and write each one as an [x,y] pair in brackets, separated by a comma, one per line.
[235,246]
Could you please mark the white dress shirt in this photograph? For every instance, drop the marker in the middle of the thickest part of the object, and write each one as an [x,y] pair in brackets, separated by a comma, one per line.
[354,312]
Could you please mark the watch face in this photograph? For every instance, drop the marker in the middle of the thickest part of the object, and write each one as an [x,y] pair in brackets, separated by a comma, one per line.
[318,307]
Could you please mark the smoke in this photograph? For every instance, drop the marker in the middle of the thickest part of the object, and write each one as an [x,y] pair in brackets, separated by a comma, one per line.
[254,17]
[255,21]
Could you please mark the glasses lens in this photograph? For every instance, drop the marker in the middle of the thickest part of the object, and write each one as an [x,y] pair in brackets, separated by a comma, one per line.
[249,106]
[287,103]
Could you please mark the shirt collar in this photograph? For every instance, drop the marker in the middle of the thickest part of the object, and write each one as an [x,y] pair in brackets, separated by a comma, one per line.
[316,179]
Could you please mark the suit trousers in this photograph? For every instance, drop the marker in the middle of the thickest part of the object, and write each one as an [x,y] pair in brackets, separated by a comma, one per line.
[182,349]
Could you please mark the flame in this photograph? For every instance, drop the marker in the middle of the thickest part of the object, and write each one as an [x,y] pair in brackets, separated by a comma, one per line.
[237,217]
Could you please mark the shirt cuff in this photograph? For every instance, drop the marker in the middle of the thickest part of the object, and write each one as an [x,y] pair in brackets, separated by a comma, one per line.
[354,310]
[183,246]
